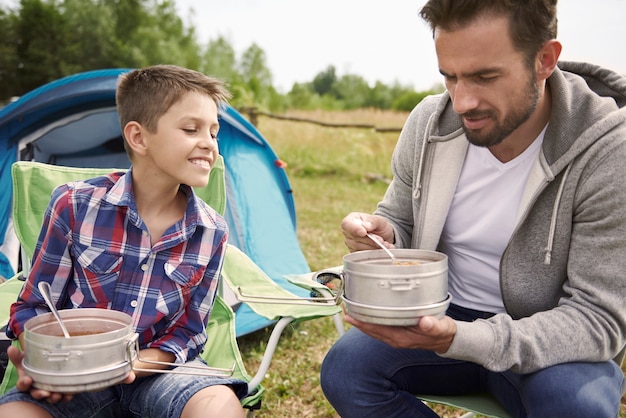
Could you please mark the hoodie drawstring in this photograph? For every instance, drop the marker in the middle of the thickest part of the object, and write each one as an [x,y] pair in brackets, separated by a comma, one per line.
[555,208]
[418,180]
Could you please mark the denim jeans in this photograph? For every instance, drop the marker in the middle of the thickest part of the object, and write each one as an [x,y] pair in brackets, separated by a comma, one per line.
[363,377]
[155,396]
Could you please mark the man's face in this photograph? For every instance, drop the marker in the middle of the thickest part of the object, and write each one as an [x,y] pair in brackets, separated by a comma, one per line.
[490,84]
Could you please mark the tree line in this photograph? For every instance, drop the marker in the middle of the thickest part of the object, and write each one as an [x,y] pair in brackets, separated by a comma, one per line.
[44,40]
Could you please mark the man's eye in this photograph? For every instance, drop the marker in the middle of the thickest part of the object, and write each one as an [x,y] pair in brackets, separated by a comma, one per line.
[487,79]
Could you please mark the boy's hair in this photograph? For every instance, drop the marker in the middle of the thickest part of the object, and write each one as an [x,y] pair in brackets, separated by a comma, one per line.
[146,94]
[531,22]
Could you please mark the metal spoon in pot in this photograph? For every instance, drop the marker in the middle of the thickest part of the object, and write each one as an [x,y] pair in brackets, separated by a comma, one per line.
[394,260]
[44,288]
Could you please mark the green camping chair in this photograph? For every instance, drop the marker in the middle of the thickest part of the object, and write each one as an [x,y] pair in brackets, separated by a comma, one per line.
[32,186]
[480,404]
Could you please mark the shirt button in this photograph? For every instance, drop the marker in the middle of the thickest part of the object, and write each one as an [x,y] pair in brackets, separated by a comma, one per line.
[144,267]
[134,304]
[144,233]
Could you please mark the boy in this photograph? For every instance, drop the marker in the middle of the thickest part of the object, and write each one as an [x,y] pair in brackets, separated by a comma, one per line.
[142,243]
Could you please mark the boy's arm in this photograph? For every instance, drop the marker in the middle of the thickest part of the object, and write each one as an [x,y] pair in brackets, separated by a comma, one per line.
[152,354]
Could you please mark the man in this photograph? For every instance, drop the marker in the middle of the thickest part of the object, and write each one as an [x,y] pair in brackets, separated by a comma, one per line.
[516,174]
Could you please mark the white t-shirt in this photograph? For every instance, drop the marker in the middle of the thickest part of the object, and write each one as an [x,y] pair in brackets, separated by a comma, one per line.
[480,223]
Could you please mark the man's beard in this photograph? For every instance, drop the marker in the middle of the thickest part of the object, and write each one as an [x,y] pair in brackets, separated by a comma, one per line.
[519,115]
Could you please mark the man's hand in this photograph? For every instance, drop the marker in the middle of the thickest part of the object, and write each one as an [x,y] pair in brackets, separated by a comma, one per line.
[430,333]
[357,225]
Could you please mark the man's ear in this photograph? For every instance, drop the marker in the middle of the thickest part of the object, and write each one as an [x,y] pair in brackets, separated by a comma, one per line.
[134,134]
[547,58]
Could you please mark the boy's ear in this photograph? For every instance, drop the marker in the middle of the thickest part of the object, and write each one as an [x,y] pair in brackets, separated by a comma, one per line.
[133,132]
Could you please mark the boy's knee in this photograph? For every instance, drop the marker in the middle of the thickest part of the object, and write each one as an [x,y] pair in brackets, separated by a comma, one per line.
[219,400]
[23,410]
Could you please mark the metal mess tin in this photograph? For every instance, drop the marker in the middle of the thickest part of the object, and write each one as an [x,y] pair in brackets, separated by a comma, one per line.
[95,356]
[381,291]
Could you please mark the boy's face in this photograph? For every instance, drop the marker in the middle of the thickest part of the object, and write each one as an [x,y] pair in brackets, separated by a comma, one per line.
[184,145]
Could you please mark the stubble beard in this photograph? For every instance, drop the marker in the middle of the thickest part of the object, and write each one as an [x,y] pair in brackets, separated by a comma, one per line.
[529,101]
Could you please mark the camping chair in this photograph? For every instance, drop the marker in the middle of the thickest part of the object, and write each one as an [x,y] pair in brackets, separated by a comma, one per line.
[482,404]
[33,183]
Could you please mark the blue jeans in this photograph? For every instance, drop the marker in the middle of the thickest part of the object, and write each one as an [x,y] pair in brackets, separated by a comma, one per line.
[364,377]
[158,395]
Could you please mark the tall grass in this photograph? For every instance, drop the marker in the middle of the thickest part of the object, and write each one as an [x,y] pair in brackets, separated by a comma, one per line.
[332,171]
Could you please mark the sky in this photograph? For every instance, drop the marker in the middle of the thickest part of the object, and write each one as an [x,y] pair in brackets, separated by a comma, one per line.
[378,40]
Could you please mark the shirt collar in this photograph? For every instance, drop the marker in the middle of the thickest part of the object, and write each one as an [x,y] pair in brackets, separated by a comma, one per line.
[196,213]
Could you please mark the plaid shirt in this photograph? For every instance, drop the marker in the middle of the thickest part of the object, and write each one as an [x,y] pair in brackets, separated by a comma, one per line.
[96,252]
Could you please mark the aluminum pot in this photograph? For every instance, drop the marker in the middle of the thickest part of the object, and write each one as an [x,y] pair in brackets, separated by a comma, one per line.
[420,278]
[95,355]
[377,290]
[397,316]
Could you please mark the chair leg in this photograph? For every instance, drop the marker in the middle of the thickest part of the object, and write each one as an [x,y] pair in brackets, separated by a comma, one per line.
[269,352]
[339,324]
[250,413]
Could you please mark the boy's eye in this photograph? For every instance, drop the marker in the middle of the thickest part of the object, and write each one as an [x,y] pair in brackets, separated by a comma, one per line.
[190,130]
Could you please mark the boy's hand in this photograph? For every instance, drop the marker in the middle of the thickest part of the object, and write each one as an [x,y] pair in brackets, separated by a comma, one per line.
[25,382]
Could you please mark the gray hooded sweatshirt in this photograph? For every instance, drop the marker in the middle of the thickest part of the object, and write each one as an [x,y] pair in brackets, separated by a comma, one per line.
[563,272]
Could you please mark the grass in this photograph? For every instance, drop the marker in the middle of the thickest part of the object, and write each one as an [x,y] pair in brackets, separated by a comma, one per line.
[332,171]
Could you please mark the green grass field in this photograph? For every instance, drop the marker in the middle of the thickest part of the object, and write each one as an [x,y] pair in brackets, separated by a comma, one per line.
[332,171]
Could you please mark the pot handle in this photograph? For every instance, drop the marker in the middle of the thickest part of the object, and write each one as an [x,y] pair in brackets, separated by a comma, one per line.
[326,287]
[399,285]
[132,353]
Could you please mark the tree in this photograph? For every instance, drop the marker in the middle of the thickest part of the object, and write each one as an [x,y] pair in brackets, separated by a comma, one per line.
[49,39]
[353,90]
[9,61]
[161,38]
[256,76]
[40,35]
[324,82]
[88,43]
[219,60]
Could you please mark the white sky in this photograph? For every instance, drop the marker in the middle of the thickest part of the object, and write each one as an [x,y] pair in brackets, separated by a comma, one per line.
[379,40]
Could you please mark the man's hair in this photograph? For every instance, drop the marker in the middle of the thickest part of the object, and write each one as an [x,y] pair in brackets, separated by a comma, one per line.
[146,94]
[531,22]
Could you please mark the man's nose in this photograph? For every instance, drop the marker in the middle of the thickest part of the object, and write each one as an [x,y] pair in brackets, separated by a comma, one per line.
[464,98]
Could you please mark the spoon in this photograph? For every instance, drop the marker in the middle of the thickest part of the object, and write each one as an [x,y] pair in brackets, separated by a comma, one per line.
[44,288]
[394,260]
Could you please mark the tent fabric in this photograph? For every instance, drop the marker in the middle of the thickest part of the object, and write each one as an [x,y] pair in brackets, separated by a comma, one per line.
[7,268]
[73,122]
